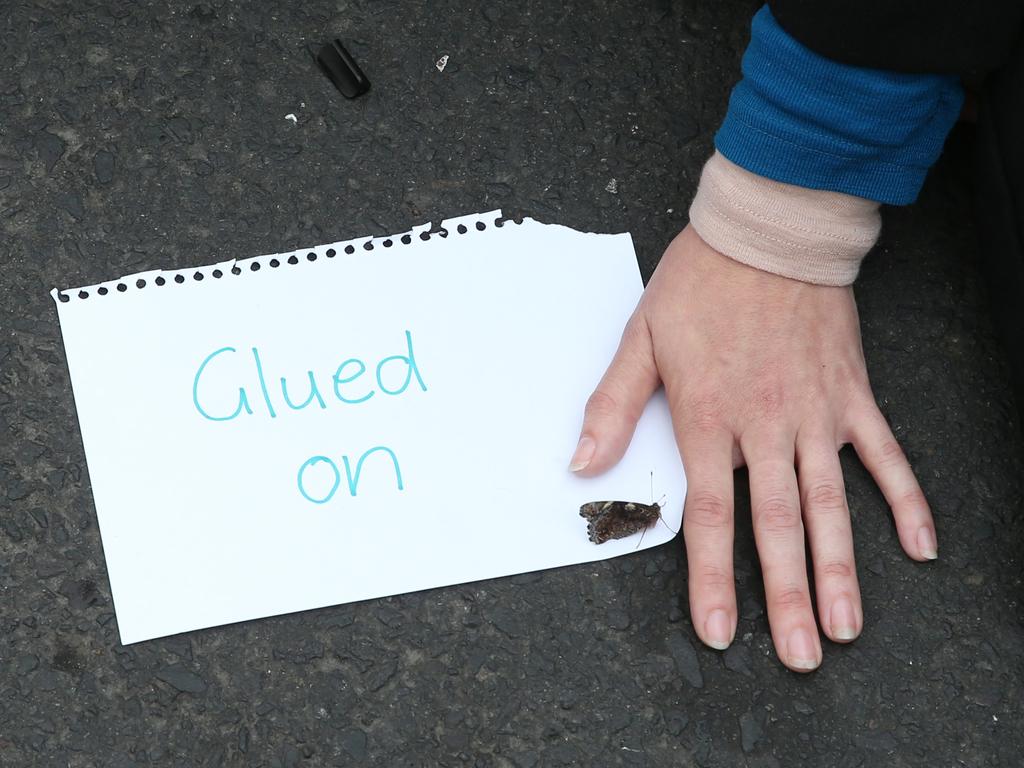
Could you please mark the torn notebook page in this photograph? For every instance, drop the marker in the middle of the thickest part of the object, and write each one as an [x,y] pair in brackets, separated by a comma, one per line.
[353,420]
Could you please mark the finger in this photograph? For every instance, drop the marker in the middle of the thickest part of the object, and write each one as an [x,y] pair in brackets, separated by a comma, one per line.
[615,406]
[827,520]
[881,454]
[779,534]
[708,531]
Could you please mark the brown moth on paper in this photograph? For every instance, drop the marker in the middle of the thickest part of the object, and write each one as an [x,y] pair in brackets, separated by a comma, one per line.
[618,519]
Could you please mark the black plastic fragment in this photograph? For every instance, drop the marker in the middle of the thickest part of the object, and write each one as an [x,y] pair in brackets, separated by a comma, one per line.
[342,70]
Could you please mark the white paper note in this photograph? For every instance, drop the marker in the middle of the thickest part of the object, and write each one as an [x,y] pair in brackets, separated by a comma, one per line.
[450,377]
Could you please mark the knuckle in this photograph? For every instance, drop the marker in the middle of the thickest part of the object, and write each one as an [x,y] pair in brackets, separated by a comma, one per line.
[792,597]
[600,405]
[860,411]
[636,330]
[863,398]
[703,413]
[768,401]
[707,510]
[890,454]
[713,577]
[857,381]
[853,376]
[912,500]
[825,496]
[837,569]
[777,516]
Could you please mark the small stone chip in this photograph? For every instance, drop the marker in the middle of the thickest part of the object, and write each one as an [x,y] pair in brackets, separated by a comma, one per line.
[685,657]
[182,679]
[103,166]
[751,731]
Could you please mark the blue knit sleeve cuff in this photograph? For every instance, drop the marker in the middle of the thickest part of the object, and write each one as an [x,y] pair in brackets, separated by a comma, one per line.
[802,119]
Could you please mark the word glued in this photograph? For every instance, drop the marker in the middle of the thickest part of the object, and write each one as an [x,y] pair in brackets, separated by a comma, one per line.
[344,384]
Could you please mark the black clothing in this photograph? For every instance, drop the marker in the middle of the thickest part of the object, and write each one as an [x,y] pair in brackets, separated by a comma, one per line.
[983,42]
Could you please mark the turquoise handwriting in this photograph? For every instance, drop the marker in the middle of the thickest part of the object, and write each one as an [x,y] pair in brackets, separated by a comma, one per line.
[350,476]
[393,375]
[351,383]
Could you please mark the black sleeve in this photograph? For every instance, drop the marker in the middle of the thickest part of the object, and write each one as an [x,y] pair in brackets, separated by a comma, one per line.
[955,37]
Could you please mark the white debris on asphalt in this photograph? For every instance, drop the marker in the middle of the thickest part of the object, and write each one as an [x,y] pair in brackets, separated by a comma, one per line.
[442,63]
[292,117]
[613,187]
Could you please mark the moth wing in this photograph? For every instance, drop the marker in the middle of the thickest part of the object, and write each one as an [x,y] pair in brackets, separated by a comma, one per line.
[594,510]
[641,513]
[601,528]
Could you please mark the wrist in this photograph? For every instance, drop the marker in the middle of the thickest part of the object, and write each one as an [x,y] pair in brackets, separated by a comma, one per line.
[814,236]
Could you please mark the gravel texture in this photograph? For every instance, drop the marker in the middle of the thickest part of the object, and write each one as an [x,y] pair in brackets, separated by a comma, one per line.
[138,135]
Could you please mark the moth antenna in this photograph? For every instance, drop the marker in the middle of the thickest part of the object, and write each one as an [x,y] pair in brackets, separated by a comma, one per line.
[674,533]
[644,531]
[652,486]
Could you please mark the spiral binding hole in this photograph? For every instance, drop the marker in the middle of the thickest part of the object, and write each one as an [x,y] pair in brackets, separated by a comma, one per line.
[311,256]
[293,259]
[197,276]
[406,239]
[461,229]
[254,267]
[217,274]
[83,294]
[368,245]
[480,226]
[236,270]
[64,298]
[140,283]
[179,279]
[330,253]
[102,290]
[350,249]
[121,287]
[387,243]
[160,280]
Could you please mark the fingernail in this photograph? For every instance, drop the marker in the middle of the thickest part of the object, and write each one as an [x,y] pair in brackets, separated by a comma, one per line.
[801,651]
[718,630]
[843,620]
[584,453]
[926,544]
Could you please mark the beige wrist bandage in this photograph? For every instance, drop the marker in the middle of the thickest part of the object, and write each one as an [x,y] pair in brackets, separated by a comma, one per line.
[810,235]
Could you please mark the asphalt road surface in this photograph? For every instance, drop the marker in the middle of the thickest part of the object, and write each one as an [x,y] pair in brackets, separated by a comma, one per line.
[141,135]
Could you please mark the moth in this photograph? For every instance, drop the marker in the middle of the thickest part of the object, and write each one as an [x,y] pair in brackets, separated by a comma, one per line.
[618,519]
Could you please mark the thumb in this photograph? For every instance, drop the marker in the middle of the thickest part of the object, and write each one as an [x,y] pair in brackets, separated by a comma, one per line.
[615,406]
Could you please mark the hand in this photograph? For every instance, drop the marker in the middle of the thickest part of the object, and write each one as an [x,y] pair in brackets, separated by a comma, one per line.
[768,372]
